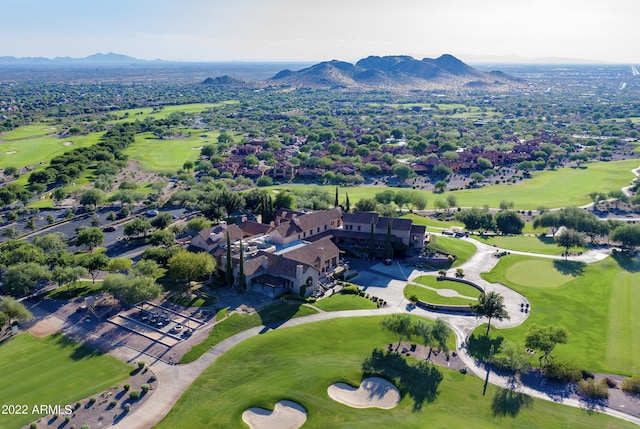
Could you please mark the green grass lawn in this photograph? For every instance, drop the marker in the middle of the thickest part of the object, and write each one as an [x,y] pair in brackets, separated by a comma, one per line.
[433,297]
[164,155]
[168,154]
[28,132]
[434,283]
[345,301]
[300,363]
[599,304]
[560,188]
[237,323]
[526,243]
[462,249]
[130,115]
[52,370]
[431,222]
[82,288]
[41,149]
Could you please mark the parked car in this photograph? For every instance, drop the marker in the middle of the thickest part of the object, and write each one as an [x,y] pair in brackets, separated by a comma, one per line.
[109,229]
[152,213]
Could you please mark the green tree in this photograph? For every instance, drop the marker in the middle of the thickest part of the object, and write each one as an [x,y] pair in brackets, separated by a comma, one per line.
[92,198]
[490,305]
[284,200]
[132,290]
[188,165]
[162,221]
[89,238]
[403,172]
[515,358]
[17,251]
[545,339]
[188,266]
[242,279]
[13,309]
[145,268]
[452,201]
[119,265]
[50,243]
[440,186]
[476,219]
[419,200]
[372,241]
[94,262]
[137,227]
[366,205]
[198,224]
[162,238]
[399,324]
[21,279]
[548,220]
[388,243]
[628,235]
[569,238]
[68,275]
[228,273]
[509,222]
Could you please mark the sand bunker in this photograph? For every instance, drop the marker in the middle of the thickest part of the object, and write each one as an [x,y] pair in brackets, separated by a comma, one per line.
[11,152]
[285,415]
[374,392]
[67,143]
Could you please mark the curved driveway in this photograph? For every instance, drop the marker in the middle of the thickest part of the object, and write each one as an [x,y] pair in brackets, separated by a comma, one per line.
[174,380]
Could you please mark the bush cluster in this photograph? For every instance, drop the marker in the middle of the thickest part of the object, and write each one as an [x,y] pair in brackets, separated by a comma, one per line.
[631,385]
[590,388]
[562,371]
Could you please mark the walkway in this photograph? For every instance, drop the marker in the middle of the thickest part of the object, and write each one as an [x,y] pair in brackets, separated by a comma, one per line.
[174,380]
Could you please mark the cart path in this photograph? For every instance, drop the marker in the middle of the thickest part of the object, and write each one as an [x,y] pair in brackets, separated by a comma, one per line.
[174,380]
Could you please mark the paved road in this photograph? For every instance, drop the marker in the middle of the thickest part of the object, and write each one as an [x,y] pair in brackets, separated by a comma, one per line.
[387,283]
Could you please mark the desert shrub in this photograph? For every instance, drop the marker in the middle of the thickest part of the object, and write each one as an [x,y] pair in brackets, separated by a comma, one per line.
[67,419]
[33,425]
[141,364]
[85,427]
[145,387]
[134,395]
[611,382]
[590,388]
[631,385]
[92,401]
[113,403]
[562,371]
[127,387]
[127,407]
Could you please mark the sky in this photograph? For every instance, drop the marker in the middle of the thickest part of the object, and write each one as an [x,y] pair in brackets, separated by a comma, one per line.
[309,31]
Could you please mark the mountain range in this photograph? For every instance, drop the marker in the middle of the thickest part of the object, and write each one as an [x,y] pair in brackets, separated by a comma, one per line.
[394,72]
[95,59]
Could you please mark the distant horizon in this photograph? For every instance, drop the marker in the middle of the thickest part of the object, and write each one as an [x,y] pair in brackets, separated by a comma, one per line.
[470,59]
[578,31]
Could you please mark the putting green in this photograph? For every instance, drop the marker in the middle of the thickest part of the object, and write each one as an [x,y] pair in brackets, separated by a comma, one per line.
[599,307]
[537,273]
